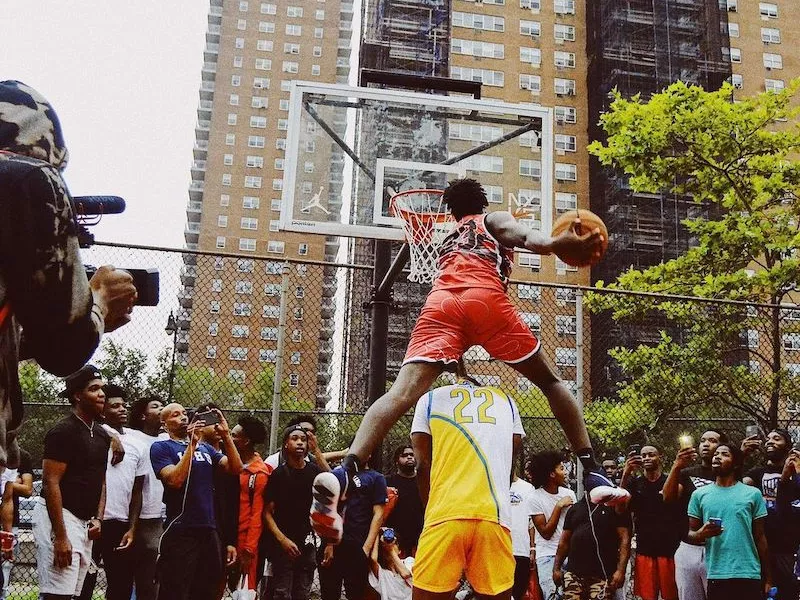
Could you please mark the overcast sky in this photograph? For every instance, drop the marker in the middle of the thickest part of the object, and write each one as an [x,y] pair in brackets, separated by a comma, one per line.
[123,78]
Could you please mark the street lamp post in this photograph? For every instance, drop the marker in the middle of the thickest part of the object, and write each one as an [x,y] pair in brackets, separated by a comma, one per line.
[172,329]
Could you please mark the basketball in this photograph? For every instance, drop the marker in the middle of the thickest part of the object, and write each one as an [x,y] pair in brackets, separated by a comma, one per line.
[588,222]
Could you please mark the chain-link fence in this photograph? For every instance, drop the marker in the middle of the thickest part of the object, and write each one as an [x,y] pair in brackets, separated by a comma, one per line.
[276,338]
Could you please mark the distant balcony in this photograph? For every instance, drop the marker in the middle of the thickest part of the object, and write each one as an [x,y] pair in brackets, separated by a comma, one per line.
[207,90]
[188,275]
[186,297]
[198,170]
[192,233]
[209,71]
[184,318]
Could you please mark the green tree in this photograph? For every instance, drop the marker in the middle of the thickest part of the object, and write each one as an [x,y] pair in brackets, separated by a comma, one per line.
[38,386]
[736,159]
[259,393]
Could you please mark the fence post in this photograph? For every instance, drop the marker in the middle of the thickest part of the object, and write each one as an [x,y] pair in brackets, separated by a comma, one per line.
[278,378]
[579,370]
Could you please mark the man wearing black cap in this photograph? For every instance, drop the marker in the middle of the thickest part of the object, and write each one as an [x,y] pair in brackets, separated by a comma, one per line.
[67,519]
[779,526]
[43,284]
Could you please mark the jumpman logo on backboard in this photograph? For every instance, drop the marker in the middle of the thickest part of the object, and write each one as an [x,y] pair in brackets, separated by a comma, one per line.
[315,202]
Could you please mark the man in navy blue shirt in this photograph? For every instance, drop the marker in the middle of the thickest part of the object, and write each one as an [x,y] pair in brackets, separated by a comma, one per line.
[348,562]
[190,564]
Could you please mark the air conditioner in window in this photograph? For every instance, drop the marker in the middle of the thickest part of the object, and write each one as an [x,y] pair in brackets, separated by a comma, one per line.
[738,85]
[731,9]
[560,121]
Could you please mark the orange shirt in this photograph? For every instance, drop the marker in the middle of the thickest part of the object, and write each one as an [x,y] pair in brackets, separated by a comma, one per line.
[470,257]
[252,481]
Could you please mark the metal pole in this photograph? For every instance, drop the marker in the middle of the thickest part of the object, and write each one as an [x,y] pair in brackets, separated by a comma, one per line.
[172,365]
[579,369]
[278,378]
[379,332]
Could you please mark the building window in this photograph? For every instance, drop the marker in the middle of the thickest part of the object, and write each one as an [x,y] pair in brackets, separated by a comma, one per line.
[266,27]
[566,201]
[566,325]
[298,314]
[768,9]
[222,221]
[564,7]
[278,164]
[230,139]
[770,35]
[240,331]
[255,141]
[532,83]
[531,56]
[219,263]
[566,172]
[736,55]
[277,184]
[237,62]
[565,33]
[315,70]
[241,24]
[773,61]
[261,83]
[250,202]
[318,33]
[291,48]
[227,159]
[283,124]
[737,81]
[494,193]
[290,67]
[529,198]
[302,249]
[529,292]
[263,64]
[211,352]
[319,15]
[216,285]
[213,307]
[530,168]
[249,223]
[244,287]
[774,85]
[283,104]
[233,100]
[264,45]
[247,244]
[566,357]
[213,329]
[477,48]
[295,358]
[226,178]
[532,320]
[274,225]
[566,296]
[244,265]
[239,43]
[564,87]
[531,28]
[562,267]
[299,292]
[529,140]
[317,51]
[258,122]
[252,181]
[259,102]
[224,200]
[275,205]
[531,261]
[255,162]
[268,9]
[294,30]
[566,143]
[273,289]
[271,312]
[297,335]
[294,11]
[269,356]
[478,21]
[242,309]
[564,59]
[269,333]
[485,76]
[532,5]
[236,80]
[791,341]
[238,354]
[294,379]
[733,30]
[275,247]
[220,241]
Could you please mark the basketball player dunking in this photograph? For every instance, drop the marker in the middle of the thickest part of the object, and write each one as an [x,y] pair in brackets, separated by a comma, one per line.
[468,306]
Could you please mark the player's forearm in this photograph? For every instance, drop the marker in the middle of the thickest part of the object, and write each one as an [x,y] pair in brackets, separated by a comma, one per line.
[135,507]
[671,489]
[374,528]
[552,523]
[624,548]
[537,242]
[55,509]
[176,476]
[234,465]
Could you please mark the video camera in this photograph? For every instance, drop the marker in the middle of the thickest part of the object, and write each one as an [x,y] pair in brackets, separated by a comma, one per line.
[88,212]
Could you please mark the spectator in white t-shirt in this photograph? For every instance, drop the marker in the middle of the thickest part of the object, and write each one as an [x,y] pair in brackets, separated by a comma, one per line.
[390,575]
[124,484]
[145,421]
[522,542]
[551,499]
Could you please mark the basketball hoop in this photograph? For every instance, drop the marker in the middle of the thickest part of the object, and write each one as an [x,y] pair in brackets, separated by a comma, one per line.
[426,222]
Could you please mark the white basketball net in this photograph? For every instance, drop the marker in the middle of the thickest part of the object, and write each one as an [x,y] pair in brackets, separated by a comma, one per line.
[426,222]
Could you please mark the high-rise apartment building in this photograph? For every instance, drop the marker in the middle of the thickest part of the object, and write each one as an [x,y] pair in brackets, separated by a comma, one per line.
[231,306]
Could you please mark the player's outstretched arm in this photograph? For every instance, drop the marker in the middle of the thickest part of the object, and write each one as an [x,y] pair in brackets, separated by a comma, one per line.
[513,234]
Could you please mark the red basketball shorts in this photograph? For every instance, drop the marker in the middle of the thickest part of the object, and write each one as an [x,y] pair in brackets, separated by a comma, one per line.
[453,320]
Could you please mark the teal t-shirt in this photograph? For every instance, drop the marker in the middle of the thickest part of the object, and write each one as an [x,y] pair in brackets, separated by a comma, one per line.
[733,553]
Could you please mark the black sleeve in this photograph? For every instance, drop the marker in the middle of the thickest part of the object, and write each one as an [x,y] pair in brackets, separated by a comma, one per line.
[45,278]
[273,485]
[58,445]
[25,463]
[569,520]
[624,519]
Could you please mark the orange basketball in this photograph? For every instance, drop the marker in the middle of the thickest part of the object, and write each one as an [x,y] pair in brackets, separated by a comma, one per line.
[588,222]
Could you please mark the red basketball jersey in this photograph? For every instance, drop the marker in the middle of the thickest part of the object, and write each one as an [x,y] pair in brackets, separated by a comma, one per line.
[470,257]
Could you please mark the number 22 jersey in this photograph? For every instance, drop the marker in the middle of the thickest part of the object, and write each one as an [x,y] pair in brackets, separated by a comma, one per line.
[472,452]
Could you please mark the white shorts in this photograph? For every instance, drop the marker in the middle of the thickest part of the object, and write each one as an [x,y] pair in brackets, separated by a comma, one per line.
[69,580]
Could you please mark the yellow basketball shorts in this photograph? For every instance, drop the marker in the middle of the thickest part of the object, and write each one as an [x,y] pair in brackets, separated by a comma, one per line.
[479,549]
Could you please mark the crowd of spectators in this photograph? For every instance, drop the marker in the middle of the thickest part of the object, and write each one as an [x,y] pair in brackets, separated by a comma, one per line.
[175,503]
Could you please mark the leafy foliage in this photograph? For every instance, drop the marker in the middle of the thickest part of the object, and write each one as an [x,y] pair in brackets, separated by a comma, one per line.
[737,161]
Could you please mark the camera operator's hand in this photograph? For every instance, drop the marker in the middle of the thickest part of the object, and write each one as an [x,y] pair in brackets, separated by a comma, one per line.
[114,293]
